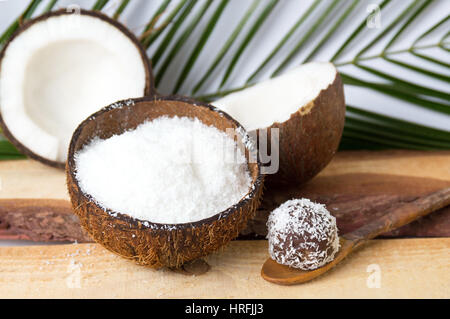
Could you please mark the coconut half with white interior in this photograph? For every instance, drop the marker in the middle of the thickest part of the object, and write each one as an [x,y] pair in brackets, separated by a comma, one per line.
[307,105]
[58,69]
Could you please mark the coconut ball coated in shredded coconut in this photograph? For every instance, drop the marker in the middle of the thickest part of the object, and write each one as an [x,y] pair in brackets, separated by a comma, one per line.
[302,234]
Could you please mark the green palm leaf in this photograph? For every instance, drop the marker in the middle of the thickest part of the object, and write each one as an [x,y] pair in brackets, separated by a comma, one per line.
[305,38]
[121,9]
[171,33]
[267,10]
[293,29]
[180,41]
[227,45]
[27,14]
[100,4]
[147,40]
[200,44]
[338,23]
[363,129]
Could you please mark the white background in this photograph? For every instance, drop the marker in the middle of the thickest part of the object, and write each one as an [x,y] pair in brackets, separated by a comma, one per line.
[279,22]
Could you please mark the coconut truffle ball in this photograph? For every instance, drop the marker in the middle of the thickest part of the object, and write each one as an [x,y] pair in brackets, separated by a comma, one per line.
[302,234]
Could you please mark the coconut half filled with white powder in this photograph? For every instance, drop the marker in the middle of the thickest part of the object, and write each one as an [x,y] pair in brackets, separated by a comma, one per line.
[60,68]
[168,171]
[163,180]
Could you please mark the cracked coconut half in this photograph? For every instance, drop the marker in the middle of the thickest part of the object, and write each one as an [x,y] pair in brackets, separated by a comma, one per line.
[307,105]
[58,69]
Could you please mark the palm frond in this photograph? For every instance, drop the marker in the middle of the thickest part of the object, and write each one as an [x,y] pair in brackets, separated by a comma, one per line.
[121,9]
[227,45]
[150,25]
[200,44]
[100,4]
[180,42]
[363,50]
[305,38]
[430,59]
[377,131]
[355,33]
[264,14]
[51,4]
[27,14]
[359,124]
[288,35]
[438,76]
[332,30]
[7,150]
[171,33]
[151,33]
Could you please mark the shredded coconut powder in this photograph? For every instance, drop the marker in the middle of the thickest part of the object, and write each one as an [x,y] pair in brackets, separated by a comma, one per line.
[169,170]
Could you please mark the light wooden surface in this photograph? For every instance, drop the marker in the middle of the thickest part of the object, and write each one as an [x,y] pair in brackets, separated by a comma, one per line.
[409,268]
[30,179]
[406,163]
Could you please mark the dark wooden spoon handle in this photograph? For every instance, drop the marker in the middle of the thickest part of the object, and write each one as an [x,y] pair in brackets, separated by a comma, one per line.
[402,215]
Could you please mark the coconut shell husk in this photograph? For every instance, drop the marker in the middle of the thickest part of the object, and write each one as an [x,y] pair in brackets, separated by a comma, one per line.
[149,87]
[309,139]
[152,244]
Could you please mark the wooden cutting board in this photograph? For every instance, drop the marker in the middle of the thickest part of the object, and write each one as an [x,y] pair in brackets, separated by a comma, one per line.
[387,268]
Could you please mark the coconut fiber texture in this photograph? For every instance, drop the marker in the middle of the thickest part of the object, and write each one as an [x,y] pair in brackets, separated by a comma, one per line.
[147,243]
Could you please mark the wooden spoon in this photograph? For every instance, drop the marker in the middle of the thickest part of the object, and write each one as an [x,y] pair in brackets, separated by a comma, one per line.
[394,218]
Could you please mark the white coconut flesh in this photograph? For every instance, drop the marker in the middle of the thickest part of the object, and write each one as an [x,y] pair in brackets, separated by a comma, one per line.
[276,99]
[58,72]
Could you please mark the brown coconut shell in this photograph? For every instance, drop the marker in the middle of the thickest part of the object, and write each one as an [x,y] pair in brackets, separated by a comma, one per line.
[309,139]
[153,244]
[149,87]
